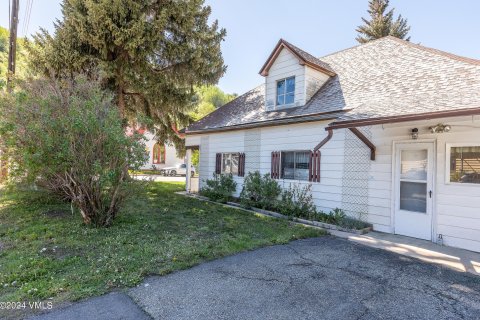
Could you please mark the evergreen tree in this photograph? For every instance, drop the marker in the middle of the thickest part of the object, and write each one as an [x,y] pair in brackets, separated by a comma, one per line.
[381,23]
[150,53]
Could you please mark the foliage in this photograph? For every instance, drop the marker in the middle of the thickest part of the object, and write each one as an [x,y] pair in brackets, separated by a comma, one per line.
[196,158]
[68,137]
[158,232]
[260,191]
[21,67]
[220,188]
[339,217]
[381,23]
[297,201]
[209,98]
[150,54]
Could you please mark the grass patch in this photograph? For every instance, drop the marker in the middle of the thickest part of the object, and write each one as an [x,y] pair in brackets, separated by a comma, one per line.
[46,252]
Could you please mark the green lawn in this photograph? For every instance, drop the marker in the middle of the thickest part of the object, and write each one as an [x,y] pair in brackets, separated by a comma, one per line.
[45,252]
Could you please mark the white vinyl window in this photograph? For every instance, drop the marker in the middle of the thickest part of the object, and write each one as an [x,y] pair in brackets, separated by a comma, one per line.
[286,91]
[464,164]
[230,163]
[295,165]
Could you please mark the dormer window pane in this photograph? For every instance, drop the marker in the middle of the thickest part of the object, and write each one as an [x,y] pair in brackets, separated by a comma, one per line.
[286,91]
[290,85]
[289,98]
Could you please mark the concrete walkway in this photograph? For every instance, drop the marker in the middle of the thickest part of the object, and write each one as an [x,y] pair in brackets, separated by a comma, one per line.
[454,258]
[319,278]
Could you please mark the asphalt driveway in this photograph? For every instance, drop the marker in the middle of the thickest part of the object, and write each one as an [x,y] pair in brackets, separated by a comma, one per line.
[322,278]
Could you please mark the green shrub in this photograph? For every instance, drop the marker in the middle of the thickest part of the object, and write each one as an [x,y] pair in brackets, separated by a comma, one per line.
[297,202]
[340,218]
[68,137]
[220,188]
[260,191]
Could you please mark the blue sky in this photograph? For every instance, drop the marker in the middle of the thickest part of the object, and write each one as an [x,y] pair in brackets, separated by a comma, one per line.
[318,27]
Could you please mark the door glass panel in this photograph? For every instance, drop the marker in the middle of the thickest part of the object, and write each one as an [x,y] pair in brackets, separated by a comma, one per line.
[413,196]
[414,165]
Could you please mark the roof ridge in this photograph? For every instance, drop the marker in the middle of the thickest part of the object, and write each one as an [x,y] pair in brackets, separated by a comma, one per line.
[436,51]
[413,45]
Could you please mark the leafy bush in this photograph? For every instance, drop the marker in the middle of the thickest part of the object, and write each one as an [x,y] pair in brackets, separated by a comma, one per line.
[220,188]
[68,137]
[297,202]
[260,191]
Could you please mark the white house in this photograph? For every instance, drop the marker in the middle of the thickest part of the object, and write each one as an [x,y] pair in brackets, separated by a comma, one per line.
[159,155]
[388,128]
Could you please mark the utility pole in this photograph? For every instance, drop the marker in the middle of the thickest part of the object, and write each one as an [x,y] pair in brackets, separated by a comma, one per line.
[12,49]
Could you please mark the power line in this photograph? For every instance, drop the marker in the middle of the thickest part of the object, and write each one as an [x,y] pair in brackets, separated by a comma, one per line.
[29,14]
[26,20]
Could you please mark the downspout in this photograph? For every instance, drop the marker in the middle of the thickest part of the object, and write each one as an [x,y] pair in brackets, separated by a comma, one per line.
[325,140]
[315,158]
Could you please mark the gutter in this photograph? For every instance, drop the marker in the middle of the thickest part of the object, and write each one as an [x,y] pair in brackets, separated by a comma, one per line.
[331,115]
[403,118]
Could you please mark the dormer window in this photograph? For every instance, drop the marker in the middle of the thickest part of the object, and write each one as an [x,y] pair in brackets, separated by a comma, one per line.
[286,91]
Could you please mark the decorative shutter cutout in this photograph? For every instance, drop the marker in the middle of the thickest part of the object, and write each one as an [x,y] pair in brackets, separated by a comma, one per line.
[314,166]
[275,165]
[241,165]
[218,163]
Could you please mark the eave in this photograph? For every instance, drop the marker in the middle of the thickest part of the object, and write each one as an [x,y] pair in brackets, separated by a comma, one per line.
[404,118]
[282,44]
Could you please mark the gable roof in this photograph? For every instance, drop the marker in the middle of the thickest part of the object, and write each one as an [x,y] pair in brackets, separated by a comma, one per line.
[304,58]
[391,77]
[247,111]
[382,79]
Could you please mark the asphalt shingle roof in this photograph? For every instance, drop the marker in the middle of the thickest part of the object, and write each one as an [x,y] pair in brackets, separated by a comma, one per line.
[383,78]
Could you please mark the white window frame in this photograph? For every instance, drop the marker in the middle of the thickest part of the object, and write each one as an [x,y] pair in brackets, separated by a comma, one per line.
[448,151]
[229,154]
[284,94]
[294,164]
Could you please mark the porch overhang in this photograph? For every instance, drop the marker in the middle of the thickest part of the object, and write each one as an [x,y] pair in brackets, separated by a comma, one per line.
[353,125]
[403,118]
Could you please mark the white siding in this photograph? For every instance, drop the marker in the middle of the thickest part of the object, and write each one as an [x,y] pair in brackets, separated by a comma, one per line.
[351,181]
[286,65]
[314,80]
[457,207]
[258,145]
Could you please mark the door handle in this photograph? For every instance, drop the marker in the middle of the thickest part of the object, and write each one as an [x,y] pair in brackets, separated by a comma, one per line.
[430,193]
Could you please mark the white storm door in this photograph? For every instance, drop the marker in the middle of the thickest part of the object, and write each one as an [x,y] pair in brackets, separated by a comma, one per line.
[414,189]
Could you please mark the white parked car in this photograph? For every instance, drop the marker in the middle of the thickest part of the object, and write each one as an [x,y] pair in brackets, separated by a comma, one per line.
[178,170]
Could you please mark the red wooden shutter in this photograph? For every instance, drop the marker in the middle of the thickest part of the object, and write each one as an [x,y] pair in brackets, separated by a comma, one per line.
[241,165]
[218,163]
[314,166]
[275,165]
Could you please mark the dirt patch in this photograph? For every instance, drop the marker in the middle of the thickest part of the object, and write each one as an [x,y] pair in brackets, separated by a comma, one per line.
[57,213]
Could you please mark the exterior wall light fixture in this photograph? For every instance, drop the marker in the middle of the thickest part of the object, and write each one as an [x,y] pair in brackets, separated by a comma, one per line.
[415,133]
[440,128]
